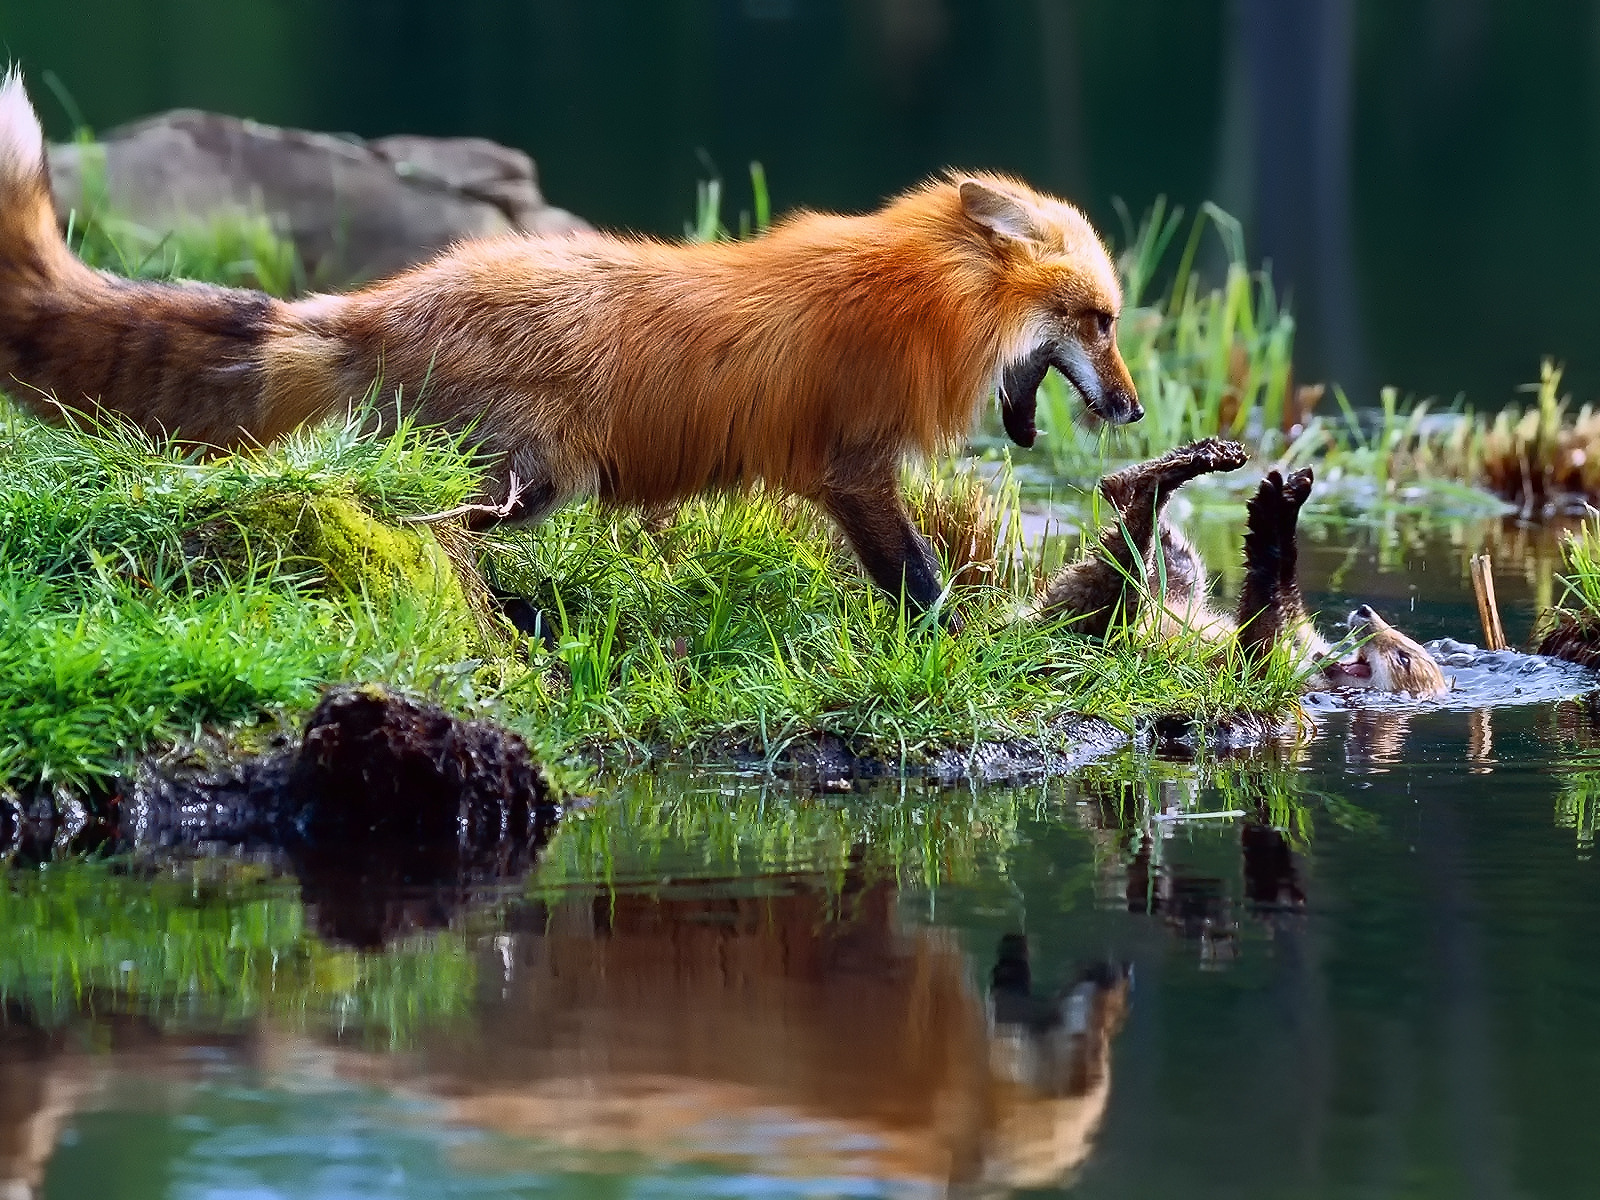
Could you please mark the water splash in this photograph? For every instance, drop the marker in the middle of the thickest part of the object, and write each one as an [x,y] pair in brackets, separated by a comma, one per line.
[1479,679]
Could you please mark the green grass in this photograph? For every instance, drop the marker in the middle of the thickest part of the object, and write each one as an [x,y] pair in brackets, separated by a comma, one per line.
[145,595]
[237,249]
[747,621]
[1582,575]
[1570,628]
[1205,359]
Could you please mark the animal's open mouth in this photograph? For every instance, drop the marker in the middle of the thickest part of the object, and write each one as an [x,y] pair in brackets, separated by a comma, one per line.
[1356,668]
[1019,395]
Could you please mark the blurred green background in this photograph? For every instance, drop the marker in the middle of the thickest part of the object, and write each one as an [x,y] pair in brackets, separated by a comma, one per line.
[1422,174]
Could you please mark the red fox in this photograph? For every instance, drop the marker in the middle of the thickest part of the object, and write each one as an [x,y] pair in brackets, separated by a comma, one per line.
[1141,558]
[811,359]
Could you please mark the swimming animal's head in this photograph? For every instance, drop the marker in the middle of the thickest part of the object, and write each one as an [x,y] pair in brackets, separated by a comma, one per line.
[1386,660]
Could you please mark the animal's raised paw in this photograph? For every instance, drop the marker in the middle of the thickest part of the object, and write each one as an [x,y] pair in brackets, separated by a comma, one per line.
[1297,487]
[1220,455]
[1201,458]
[1270,502]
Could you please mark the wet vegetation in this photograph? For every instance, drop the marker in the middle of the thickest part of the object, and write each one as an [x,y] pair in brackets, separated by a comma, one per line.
[228,939]
[1571,629]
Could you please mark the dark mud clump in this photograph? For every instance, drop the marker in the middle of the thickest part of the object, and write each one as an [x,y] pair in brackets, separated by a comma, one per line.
[1183,737]
[1570,636]
[372,767]
[376,764]
[384,806]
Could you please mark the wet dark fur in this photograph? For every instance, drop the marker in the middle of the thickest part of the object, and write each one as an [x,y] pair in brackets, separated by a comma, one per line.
[1109,586]
[1141,557]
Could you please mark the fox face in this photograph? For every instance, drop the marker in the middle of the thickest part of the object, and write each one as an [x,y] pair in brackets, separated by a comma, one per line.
[1059,289]
[1387,661]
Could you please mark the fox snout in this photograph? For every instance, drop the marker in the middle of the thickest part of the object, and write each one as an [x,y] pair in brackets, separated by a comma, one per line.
[1101,378]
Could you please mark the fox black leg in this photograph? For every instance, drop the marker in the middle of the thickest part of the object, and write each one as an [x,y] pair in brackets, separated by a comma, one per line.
[523,501]
[894,554]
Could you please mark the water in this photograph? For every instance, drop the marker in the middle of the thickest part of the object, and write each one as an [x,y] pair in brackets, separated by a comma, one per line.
[1373,978]
[1421,173]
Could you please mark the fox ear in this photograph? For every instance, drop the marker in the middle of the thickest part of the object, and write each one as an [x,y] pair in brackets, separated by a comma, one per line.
[999,212]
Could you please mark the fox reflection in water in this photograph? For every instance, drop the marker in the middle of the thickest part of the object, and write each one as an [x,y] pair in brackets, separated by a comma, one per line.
[807,1023]
[801,1031]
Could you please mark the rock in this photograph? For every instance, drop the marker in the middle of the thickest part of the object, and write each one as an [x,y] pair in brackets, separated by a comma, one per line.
[354,209]
[832,764]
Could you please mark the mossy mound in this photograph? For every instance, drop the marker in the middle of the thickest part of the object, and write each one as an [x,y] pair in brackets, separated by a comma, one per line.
[335,538]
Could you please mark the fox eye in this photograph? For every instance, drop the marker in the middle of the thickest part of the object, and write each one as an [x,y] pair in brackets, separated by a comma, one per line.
[1102,323]
[1403,659]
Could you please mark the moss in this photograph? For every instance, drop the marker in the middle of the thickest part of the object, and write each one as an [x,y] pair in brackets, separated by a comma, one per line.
[357,553]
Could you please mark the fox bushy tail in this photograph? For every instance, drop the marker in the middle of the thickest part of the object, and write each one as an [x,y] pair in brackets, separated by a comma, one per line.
[218,366]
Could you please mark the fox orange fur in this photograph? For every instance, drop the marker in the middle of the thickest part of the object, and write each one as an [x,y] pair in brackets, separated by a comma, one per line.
[811,359]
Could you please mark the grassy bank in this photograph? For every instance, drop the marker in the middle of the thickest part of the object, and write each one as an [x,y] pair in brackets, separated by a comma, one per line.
[146,596]
[1570,628]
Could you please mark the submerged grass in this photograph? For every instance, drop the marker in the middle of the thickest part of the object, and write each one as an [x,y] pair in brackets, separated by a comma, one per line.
[654,827]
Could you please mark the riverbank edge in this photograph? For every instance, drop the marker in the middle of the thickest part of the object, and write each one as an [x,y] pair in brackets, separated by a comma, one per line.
[217,799]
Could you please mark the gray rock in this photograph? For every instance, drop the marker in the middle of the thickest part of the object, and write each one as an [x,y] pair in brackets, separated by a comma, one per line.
[354,209]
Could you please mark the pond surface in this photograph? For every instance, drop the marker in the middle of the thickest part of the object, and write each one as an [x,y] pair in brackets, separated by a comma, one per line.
[1359,967]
